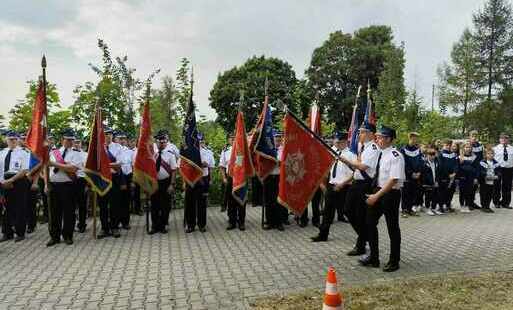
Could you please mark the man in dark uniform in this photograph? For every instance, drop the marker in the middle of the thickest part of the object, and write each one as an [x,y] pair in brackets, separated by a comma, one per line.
[31,210]
[385,200]
[125,159]
[166,176]
[365,169]
[14,165]
[413,165]
[275,214]
[80,186]
[339,181]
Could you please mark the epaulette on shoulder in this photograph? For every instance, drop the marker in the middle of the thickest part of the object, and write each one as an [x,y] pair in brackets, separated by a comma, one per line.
[395,153]
[374,146]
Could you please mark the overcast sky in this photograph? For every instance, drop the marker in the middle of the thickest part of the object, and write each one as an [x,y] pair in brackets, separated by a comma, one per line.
[215,35]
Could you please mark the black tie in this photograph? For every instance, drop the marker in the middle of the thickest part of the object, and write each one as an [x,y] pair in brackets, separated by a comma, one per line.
[505,153]
[377,167]
[7,162]
[159,161]
[55,170]
[334,173]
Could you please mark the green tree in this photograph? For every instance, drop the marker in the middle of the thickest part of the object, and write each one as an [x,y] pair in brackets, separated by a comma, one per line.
[164,109]
[493,36]
[183,87]
[250,79]
[459,82]
[21,113]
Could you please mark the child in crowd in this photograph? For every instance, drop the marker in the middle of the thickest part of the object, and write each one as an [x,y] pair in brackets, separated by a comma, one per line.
[448,166]
[489,179]
[468,173]
[430,181]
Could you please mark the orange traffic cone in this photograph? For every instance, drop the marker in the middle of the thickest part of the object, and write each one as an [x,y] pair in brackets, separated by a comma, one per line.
[332,297]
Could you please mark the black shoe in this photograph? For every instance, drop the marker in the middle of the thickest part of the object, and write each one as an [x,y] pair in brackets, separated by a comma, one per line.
[316,224]
[367,261]
[81,229]
[487,210]
[280,227]
[163,231]
[19,238]
[303,225]
[68,241]
[188,230]
[115,233]
[231,227]
[507,207]
[6,238]
[104,234]
[127,227]
[319,238]
[242,227]
[356,252]
[52,242]
[286,222]
[202,229]
[152,231]
[391,267]
[267,227]
[30,230]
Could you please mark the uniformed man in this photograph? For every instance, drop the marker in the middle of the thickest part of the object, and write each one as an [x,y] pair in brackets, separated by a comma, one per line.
[339,181]
[385,200]
[14,165]
[166,176]
[64,163]
[126,173]
[504,156]
[275,214]
[478,151]
[80,185]
[136,189]
[197,196]
[31,210]
[365,169]
[414,164]
[44,196]
[224,159]
[110,202]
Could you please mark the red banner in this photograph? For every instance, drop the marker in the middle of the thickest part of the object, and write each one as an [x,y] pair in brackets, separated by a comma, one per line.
[305,162]
[145,170]
[36,135]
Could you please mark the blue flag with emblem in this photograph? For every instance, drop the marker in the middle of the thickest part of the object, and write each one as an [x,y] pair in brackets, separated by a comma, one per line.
[262,144]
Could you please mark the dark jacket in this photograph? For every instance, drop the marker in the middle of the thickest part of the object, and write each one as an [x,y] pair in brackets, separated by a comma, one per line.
[428,179]
[483,169]
[413,161]
[469,170]
[477,149]
[448,164]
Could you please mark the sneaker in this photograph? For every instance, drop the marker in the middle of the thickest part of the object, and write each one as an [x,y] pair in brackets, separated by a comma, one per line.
[465,210]
[431,212]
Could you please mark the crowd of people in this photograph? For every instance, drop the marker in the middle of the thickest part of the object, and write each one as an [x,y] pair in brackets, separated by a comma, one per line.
[377,180]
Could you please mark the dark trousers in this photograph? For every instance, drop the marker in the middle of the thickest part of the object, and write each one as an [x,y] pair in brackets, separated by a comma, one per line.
[160,205]
[62,212]
[44,198]
[16,208]
[505,186]
[109,205]
[274,212]
[356,209]
[431,197]
[124,201]
[31,207]
[196,204]
[81,199]
[316,209]
[256,192]
[334,201]
[410,193]
[444,194]
[236,211]
[136,199]
[467,193]
[388,205]
[486,193]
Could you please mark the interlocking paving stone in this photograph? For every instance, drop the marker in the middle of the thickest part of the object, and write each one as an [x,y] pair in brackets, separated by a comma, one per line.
[223,269]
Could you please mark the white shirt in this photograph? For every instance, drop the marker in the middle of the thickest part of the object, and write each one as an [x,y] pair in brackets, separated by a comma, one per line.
[169,147]
[170,159]
[224,159]
[391,166]
[81,164]
[20,160]
[208,157]
[341,171]
[116,150]
[499,155]
[369,157]
[72,158]
[126,160]
[490,166]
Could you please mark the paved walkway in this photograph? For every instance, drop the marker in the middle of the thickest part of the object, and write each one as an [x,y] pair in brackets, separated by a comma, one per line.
[226,270]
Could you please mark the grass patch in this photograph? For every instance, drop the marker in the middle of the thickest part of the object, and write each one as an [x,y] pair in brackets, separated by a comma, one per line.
[455,292]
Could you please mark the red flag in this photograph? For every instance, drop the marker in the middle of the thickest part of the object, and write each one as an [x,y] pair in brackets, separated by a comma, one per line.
[97,170]
[145,171]
[305,162]
[240,167]
[36,134]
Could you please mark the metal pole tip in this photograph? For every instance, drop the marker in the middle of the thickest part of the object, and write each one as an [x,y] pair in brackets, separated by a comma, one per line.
[43,61]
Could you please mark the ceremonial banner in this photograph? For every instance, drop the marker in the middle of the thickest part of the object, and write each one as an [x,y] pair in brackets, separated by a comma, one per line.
[36,134]
[240,167]
[305,162]
[145,171]
[97,169]
[262,146]
[352,133]
[370,114]
[190,158]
